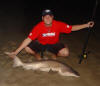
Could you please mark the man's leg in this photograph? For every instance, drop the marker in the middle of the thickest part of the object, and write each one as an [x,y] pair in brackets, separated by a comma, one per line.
[29,50]
[59,49]
[63,52]
[34,48]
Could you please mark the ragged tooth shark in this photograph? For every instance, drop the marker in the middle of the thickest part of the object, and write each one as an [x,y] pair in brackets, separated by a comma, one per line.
[46,65]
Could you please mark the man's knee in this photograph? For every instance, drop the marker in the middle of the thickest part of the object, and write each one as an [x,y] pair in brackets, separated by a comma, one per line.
[29,50]
[64,52]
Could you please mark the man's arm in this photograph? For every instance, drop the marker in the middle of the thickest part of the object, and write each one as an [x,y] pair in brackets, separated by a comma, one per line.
[79,27]
[21,47]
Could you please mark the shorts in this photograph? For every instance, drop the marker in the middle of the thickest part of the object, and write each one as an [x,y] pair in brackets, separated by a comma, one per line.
[53,48]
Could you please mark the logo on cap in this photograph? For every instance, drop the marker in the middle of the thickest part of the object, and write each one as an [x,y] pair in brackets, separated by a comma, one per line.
[47,12]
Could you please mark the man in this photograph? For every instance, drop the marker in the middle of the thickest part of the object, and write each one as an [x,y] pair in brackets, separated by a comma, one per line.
[45,35]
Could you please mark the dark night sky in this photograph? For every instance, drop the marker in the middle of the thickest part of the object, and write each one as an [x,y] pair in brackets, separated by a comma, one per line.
[57,5]
[29,12]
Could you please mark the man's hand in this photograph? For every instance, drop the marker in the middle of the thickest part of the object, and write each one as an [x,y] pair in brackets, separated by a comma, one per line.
[90,24]
[12,54]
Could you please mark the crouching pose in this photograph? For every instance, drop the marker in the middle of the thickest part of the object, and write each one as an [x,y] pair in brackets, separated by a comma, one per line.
[45,35]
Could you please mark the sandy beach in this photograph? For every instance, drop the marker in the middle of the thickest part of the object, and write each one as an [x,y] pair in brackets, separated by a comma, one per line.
[89,69]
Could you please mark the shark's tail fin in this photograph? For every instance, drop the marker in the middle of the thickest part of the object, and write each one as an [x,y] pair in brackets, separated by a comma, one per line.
[17,61]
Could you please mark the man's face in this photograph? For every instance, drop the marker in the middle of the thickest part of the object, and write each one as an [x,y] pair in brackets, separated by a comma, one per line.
[47,19]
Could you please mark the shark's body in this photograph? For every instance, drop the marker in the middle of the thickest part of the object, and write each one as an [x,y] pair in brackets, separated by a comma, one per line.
[46,66]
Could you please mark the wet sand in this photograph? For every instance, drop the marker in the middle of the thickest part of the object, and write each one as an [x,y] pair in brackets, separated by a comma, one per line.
[89,69]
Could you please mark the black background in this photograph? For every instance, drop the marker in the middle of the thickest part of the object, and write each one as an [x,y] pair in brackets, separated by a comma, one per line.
[23,15]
